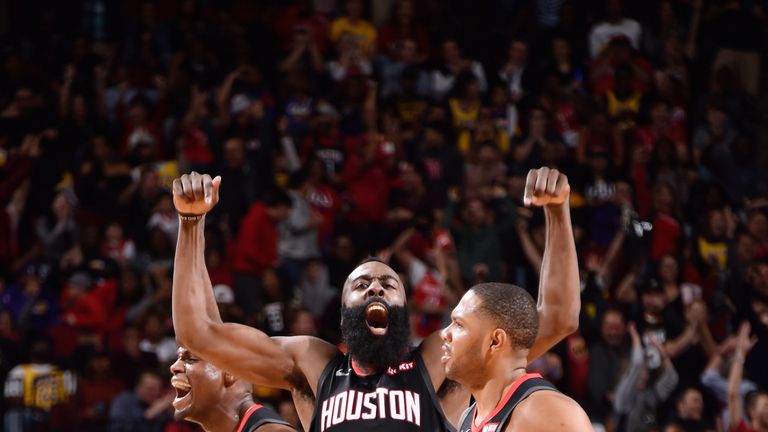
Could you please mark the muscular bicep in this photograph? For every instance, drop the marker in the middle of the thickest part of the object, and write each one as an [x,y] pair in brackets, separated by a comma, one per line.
[255,357]
[547,336]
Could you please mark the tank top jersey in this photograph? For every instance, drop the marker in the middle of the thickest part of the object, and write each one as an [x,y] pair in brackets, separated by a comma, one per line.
[499,417]
[401,398]
[257,416]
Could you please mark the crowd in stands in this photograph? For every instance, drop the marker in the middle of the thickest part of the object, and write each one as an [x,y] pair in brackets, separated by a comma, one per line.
[402,129]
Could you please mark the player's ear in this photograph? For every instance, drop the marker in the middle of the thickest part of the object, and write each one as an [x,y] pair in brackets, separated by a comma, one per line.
[498,339]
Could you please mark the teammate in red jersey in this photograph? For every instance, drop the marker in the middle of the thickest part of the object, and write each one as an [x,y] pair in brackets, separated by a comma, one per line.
[218,401]
[486,348]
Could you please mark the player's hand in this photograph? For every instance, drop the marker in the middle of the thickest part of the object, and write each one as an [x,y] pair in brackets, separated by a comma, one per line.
[546,187]
[195,194]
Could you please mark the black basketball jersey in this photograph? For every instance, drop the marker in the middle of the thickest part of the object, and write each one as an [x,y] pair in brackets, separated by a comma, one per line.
[499,417]
[259,415]
[400,398]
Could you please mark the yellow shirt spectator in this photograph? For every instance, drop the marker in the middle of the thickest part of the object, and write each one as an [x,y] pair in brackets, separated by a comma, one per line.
[361,31]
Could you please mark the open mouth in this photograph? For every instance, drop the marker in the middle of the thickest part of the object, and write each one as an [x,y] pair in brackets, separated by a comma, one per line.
[183,399]
[377,318]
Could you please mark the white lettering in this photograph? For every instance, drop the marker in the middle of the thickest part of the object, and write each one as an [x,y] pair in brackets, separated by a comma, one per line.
[354,405]
[354,415]
[371,414]
[397,404]
[413,407]
[339,408]
[381,393]
[325,415]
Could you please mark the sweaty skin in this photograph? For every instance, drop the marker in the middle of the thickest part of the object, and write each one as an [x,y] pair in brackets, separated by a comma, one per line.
[214,399]
[482,358]
[295,363]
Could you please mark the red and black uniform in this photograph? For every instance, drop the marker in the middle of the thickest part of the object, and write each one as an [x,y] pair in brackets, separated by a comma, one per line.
[259,415]
[400,398]
[499,417]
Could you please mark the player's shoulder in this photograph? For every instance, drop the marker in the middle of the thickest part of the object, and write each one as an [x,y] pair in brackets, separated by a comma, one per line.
[549,411]
[311,355]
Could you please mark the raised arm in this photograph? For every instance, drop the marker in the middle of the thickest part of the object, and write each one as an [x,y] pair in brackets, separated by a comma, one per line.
[743,345]
[559,300]
[241,350]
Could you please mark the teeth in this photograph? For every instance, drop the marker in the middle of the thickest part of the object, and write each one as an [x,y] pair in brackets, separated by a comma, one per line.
[377,307]
[181,385]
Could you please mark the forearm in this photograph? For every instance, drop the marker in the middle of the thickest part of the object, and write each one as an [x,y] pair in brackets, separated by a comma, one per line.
[734,383]
[707,341]
[291,155]
[291,61]
[194,307]
[559,300]
[627,386]
[667,382]
[679,345]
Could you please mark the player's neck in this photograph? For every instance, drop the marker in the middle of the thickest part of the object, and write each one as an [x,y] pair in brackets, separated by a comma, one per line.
[490,394]
[225,417]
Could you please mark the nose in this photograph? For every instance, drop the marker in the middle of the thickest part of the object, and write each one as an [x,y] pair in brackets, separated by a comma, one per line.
[374,290]
[445,334]
[177,367]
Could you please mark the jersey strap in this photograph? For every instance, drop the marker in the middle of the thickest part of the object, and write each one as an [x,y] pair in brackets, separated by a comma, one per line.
[495,421]
[259,415]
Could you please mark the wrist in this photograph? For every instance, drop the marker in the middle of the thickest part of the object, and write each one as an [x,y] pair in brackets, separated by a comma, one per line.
[190,218]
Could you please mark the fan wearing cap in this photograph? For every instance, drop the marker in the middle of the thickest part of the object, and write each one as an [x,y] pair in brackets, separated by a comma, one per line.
[380,383]
[218,401]
[686,339]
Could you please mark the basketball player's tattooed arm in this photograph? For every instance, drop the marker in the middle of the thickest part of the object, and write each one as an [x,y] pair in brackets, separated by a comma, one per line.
[559,294]
[288,363]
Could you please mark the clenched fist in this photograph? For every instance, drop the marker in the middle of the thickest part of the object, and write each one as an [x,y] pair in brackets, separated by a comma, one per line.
[195,194]
[546,187]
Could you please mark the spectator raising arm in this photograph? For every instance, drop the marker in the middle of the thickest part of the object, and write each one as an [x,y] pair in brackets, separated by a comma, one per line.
[735,410]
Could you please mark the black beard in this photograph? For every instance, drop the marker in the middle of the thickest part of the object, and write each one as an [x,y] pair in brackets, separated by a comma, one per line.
[373,351]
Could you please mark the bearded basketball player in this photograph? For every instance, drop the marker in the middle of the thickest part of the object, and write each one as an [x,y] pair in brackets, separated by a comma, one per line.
[380,383]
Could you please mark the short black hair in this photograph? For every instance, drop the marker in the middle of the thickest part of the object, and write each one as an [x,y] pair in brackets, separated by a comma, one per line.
[372,258]
[512,309]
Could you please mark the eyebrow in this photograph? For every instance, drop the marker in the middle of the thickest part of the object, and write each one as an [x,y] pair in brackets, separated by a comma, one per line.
[368,277]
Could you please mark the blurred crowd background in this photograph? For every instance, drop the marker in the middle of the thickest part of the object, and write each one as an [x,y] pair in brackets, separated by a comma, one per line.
[402,129]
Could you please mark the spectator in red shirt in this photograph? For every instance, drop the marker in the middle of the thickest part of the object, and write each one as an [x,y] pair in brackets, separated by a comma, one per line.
[256,248]
[403,26]
[324,200]
[302,15]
